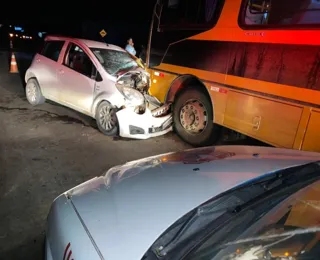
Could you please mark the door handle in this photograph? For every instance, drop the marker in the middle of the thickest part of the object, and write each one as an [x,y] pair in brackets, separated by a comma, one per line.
[97,88]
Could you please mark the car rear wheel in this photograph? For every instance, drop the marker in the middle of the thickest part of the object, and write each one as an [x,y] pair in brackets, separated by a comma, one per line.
[193,118]
[107,119]
[33,93]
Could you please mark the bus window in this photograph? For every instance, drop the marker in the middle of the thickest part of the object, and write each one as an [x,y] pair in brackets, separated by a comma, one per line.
[184,14]
[282,12]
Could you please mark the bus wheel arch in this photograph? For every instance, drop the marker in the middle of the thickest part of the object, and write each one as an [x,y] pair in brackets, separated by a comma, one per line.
[181,83]
[191,100]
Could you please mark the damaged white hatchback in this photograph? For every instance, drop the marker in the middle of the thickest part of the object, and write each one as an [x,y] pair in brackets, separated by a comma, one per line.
[100,80]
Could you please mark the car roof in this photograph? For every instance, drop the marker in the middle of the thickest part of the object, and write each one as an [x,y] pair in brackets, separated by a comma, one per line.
[88,43]
[134,203]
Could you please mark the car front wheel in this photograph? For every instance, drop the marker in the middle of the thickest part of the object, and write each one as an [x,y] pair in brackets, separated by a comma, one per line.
[107,119]
[193,118]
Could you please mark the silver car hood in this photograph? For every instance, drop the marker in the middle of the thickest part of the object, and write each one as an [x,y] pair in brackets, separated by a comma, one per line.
[126,210]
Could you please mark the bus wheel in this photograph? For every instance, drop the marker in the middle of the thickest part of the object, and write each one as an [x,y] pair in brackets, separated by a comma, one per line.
[193,118]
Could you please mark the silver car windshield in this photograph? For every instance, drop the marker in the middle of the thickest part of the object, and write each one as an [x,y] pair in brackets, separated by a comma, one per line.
[114,61]
[259,220]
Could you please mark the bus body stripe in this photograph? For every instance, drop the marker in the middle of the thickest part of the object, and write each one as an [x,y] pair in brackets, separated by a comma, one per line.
[293,65]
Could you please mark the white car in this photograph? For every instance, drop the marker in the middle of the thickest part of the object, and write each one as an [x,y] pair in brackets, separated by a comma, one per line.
[100,80]
[213,203]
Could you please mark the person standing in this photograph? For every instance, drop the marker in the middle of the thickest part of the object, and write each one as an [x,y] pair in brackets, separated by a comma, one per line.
[130,47]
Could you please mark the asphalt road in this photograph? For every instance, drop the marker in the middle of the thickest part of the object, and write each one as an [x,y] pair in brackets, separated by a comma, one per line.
[45,151]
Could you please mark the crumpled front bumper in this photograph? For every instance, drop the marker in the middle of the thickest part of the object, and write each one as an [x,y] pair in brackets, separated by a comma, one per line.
[142,126]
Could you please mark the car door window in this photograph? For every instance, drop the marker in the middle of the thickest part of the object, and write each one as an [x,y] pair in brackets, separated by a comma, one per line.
[79,61]
[52,49]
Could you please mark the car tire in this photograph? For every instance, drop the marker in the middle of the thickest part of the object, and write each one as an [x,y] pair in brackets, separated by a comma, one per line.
[202,131]
[33,93]
[107,119]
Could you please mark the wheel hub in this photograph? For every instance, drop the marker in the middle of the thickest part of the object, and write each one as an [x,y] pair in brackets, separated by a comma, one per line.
[107,118]
[193,116]
[32,92]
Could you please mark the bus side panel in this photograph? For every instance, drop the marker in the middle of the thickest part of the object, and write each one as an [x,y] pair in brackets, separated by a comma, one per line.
[219,98]
[271,121]
[312,137]
[285,64]
[291,65]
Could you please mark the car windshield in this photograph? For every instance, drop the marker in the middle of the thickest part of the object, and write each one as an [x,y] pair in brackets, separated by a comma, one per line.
[114,61]
[274,217]
[288,230]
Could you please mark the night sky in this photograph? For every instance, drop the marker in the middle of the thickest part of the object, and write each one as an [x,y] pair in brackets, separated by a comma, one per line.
[121,19]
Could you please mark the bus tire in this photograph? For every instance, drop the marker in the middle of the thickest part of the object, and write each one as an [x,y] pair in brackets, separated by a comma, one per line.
[193,118]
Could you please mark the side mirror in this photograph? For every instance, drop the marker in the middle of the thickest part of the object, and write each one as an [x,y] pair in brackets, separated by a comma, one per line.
[259,6]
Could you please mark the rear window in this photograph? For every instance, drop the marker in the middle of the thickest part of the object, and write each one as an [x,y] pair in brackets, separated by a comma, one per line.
[52,49]
[40,46]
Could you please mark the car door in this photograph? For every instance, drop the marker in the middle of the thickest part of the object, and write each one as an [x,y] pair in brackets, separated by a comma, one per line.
[45,66]
[76,76]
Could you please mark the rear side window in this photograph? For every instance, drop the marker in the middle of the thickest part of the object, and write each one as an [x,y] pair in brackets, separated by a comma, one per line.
[281,13]
[52,49]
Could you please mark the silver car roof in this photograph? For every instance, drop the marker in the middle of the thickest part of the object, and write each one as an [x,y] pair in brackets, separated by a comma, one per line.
[89,43]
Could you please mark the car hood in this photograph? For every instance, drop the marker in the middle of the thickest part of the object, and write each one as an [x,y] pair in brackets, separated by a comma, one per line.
[127,209]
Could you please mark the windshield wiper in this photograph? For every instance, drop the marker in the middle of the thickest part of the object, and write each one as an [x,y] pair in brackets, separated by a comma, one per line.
[221,208]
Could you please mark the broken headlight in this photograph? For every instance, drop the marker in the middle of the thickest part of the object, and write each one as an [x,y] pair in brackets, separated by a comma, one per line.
[132,96]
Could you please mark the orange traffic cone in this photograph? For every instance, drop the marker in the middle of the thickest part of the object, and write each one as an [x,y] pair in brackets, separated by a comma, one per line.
[13,64]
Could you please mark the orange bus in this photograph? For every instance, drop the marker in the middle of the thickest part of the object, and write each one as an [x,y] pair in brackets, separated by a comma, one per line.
[251,66]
